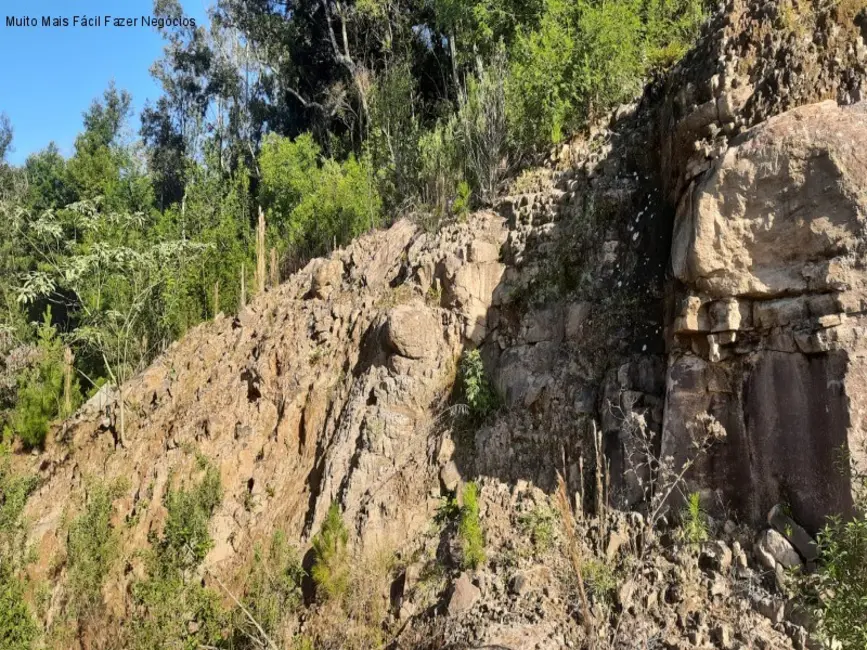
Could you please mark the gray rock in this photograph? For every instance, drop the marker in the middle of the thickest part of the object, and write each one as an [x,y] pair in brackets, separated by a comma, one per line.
[778,547]
[792,531]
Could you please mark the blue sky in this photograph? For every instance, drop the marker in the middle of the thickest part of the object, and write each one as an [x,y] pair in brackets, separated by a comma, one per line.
[50,75]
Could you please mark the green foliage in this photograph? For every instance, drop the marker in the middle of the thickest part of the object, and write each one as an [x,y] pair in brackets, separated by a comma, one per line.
[693,526]
[331,559]
[186,540]
[91,548]
[313,204]
[599,579]
[273,590]
[171,607]
[440,166]
[539,525]
[583,58]
[41,388]
[542,101]
[470,529]
[476,387]
[18,630]
[842,582]
[671,27]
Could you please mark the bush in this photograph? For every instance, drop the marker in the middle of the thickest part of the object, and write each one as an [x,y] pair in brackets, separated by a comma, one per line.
[583,58]
[482,119]
[540,91]
[18,630]
[186,540]
[92,547]
[331,563]
[539,525]
[671,28]
[470,529]
[440,167]
[600,579]
[272,593]
[476,388]
[312,205]
[17,627]
[394,135]
[842,582]
[171,607]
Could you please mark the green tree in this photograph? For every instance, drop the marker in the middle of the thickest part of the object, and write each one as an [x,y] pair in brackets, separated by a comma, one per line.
[312,205]
[331,557]
[40,396]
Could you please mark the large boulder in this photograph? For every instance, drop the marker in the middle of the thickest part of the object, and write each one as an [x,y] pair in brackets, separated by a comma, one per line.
[413,331]
[782,210]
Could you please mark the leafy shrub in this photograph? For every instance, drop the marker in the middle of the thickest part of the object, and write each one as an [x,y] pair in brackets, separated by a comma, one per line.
[671,28]
[693,527]
[311,203]
[470,529]
[539,525]
[600,579]
[582,58]
[186,540]
[842,582]
[331,564]
[272,592]
[483,129]
[480,396]
[92,547]
[171,607]
[394,135]
[18,630]
[839,587]
[440,166]
[540,91]
[608,54]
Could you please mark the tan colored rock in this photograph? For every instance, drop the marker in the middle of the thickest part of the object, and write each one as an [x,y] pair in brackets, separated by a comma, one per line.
[464,595]
[327,275]
[781,210]
[413,331]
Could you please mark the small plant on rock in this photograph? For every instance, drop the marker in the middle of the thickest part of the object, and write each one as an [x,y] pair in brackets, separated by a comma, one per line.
[693,521]
[481,398]
[331,566]
[470,529]
[539,525]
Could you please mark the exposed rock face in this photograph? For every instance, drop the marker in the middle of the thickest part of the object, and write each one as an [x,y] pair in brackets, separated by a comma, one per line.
[299,401]
[781,213]
[695,265]
[769,246]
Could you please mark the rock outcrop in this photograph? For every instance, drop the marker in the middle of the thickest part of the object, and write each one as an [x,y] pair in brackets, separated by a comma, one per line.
[692,269]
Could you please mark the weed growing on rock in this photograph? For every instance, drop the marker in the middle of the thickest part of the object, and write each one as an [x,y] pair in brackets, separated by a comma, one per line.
[470,529]
[477,390]
[171,607]
[693,521]
[92,548]
[18,630]
[273,592]
[539,525]
[839,588]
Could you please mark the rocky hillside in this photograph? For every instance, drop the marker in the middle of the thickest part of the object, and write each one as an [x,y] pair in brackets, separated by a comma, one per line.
[683,285]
